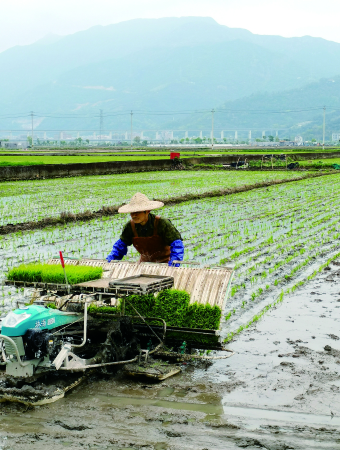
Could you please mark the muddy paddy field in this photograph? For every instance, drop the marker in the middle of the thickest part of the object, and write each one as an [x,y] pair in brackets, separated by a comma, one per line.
[281,388]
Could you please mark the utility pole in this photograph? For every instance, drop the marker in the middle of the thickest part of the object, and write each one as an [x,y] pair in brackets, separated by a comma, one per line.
[212,129]
[100,123]
[324,127]
[131,129]
[32,127]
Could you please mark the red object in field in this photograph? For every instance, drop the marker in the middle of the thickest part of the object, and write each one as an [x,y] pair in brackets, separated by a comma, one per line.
[174,155]
[62,260]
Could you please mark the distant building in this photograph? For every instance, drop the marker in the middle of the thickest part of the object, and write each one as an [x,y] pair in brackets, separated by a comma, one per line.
[164,135]
[298,140]
[335,137]
[287,143]
[127,135]
[20,145]
[118,136]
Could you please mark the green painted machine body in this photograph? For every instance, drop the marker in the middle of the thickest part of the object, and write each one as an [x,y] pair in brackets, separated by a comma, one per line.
[17,322]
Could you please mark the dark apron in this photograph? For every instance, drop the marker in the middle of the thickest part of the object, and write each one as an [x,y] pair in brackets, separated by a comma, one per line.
[151,248]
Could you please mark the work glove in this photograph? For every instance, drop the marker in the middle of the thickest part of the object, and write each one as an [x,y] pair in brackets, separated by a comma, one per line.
[176,252]
[119,250]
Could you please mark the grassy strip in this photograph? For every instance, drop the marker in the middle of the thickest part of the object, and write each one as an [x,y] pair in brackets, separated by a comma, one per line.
[174,307]
[66,159]
[258,316]
[47,273]
[22,163]
[320,164]
[66,217]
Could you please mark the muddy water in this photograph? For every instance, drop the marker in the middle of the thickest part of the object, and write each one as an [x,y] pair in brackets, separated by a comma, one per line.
[279,391]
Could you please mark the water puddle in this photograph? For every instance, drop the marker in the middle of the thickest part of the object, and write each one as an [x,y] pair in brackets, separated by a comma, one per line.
[165,392]
[217,409]
[117,401]
[281,416]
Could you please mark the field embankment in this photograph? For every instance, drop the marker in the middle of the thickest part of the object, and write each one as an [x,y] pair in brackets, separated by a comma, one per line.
[43,167]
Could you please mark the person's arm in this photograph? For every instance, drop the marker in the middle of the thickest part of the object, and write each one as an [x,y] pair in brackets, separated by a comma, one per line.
[172,237]
[119,249]
[176,252]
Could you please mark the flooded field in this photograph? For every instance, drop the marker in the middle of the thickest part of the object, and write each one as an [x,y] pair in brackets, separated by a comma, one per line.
[279,391]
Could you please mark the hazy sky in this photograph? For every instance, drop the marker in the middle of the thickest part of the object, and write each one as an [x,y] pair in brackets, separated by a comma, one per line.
[25,21]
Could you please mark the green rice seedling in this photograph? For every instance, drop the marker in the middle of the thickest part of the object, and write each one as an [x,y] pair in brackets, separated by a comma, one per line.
[227,317]
[233,291]
[202,316]
[253,280]
[144,304]
[174,307]
[49,273]
[51,305]
[97,311]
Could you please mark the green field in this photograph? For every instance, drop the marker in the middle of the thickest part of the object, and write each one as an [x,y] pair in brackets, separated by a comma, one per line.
[18,159]
[35,160]
[22,201]
[320,163]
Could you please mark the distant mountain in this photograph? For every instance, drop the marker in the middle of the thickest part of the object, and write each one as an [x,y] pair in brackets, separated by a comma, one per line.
[48,39]
[297,111]
[186,78]
[170,64]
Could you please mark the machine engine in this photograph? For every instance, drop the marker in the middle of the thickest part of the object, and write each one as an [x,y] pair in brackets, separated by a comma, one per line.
[38,343]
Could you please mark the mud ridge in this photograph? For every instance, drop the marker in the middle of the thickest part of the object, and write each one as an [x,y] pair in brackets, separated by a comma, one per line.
[85,216]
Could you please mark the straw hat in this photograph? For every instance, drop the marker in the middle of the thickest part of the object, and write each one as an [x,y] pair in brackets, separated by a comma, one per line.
[140,202]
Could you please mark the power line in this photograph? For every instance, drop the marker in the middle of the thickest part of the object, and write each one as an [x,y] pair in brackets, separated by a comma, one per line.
[170,112]
[100,122]
[32,126]
[212,129]
[131,128]
[219,111]
[324,127]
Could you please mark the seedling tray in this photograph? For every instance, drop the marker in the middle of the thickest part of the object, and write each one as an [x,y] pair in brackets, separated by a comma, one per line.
[194,337]
[141,284]
[138,284]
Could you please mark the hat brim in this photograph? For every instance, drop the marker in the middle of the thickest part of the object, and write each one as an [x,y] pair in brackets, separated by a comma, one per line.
[147,206]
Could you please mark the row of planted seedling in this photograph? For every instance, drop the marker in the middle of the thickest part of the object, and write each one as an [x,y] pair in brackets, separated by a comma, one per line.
[23,201]
[268,233]
[189,224]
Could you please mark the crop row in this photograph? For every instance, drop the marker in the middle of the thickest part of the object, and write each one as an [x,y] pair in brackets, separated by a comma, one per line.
[23,201]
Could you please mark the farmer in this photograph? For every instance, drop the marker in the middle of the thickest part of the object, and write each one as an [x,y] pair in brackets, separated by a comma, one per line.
[155,238]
